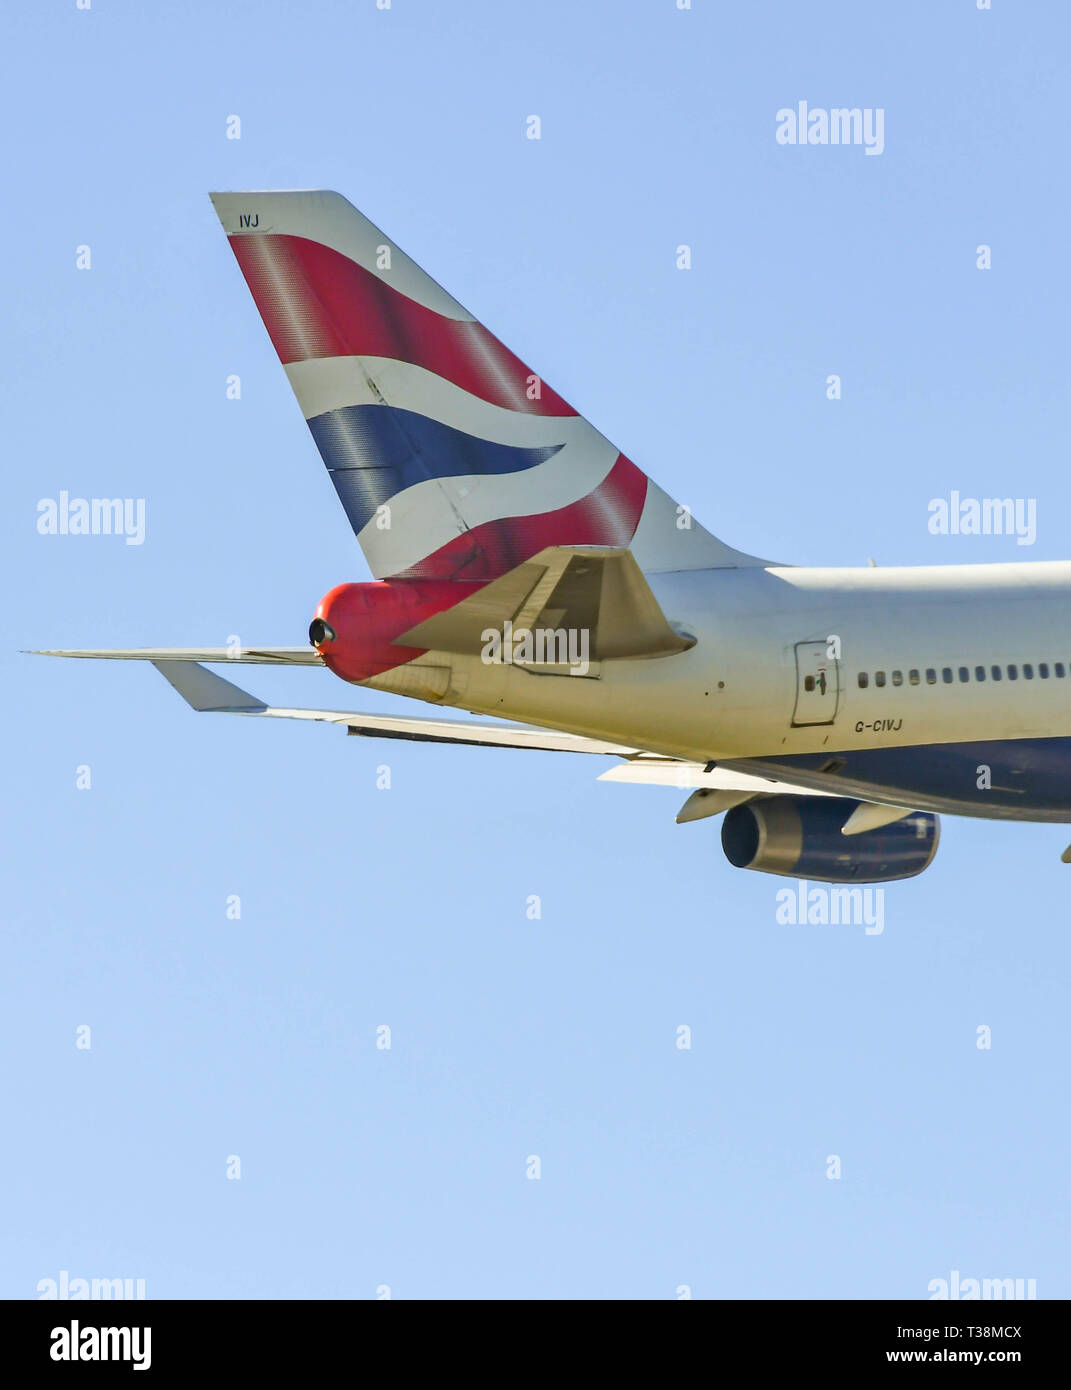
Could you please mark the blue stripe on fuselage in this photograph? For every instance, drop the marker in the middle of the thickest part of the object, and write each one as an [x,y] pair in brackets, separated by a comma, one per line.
[373,452]
[1028,778]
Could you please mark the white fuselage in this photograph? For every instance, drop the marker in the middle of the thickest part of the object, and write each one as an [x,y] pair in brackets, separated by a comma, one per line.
[741,692]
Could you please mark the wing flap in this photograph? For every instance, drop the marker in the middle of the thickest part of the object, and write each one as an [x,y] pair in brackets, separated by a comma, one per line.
[671,772]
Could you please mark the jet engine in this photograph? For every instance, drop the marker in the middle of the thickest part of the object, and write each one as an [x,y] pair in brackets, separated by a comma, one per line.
[800,837]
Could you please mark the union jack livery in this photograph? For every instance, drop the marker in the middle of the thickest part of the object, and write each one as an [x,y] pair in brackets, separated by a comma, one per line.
[523,567]
[452,459]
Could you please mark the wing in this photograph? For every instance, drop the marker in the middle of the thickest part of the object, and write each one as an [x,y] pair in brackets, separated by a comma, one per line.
[260,656]
[716,789]
[205,691]
[713,789]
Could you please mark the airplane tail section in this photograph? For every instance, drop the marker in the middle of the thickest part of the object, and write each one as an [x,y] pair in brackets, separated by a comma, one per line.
[452,459]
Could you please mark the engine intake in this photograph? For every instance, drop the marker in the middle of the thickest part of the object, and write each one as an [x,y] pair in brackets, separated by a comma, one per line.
[799,837]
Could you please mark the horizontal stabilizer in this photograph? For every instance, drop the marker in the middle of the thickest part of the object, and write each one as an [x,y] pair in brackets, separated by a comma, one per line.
[259,656]
[582,589]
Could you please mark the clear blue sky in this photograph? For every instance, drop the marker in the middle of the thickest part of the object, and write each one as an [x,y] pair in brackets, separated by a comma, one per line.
[406,907]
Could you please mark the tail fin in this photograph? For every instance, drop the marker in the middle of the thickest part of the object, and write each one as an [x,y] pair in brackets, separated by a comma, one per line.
[452,460]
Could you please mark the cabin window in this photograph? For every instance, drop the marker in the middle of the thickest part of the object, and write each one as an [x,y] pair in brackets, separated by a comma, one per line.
[879,677]
[946,675]
[931,676]
[808,682]
[1043,670]
[898,678]
[913,677]
[964,675]
[979,673]
[1028,673]
[995,672]
[863,679]
[1013,673]
[1058,669]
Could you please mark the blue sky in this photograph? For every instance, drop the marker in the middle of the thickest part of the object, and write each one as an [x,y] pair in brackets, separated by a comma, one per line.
[360,907]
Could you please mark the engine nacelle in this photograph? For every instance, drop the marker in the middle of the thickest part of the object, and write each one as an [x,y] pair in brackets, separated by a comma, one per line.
[799,837]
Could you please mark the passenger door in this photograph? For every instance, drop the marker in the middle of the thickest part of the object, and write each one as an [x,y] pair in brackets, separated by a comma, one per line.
[817,685]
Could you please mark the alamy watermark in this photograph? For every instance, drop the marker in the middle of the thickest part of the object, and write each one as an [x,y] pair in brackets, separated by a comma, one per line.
[537,646]
[984,516]
[957,1288]
[78,1343]
[66,1288]
[92,516]
[830,905]
[839,125]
